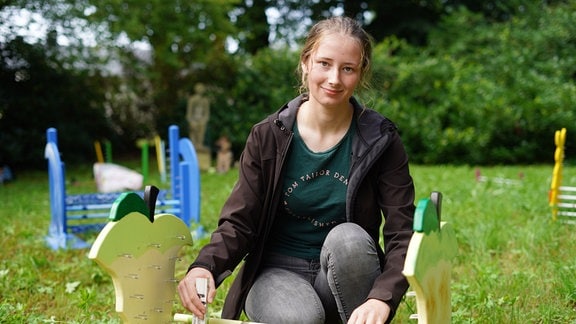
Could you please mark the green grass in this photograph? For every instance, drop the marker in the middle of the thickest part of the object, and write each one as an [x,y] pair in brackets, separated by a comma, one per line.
[515,265]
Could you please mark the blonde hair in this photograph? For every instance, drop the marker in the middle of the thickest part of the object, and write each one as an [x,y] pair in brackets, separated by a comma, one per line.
[345,26]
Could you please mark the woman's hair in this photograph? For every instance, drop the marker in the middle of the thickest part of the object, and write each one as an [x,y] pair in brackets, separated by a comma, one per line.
[340,25]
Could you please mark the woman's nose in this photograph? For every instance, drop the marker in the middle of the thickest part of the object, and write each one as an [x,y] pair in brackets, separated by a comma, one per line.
[334,76]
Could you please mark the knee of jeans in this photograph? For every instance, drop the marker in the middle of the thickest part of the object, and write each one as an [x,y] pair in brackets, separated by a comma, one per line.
[348,238]
[272,299]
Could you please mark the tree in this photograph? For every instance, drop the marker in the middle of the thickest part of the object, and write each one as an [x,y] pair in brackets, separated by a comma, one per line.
[36,92]
[252,23]
[181,40]
[407,19]
[184,43]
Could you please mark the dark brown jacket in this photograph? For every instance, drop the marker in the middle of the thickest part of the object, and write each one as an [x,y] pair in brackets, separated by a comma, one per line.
[379,185]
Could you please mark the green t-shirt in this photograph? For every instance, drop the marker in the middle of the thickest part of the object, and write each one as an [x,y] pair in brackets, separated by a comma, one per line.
[314,197]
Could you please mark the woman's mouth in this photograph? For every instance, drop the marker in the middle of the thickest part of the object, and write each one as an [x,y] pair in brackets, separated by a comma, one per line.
[331,91]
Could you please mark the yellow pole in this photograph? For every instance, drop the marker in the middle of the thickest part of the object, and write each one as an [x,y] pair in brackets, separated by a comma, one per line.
[99,155]
[559,140]
[160,157]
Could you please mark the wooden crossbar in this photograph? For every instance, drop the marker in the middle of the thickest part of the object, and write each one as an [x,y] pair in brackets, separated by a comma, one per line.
[563,197]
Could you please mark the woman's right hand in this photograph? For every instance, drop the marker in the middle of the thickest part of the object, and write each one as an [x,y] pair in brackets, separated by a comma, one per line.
[189,295]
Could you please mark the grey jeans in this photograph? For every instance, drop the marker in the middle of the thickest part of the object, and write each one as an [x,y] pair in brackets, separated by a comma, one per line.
[293,290]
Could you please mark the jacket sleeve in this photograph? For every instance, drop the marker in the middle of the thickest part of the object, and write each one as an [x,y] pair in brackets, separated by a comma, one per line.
[238,223]
[396,200]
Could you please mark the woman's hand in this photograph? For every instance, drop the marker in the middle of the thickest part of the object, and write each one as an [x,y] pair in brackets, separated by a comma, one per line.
[373,311]
[188,294]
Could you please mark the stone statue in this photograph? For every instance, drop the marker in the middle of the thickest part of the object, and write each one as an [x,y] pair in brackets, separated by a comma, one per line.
[224,155]
[197,114]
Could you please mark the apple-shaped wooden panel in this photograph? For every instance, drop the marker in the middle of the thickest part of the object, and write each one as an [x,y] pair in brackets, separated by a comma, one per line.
[139,252]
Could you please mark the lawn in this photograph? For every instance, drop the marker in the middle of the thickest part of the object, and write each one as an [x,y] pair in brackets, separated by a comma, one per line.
[515,265]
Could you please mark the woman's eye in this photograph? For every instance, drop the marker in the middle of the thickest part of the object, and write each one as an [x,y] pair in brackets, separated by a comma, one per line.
[348,69]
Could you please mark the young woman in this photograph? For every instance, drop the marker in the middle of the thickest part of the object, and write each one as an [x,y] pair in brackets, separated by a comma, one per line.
[317,178]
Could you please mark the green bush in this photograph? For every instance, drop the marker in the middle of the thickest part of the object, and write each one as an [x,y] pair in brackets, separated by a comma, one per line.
[483,93]
[38,92]
[263,83]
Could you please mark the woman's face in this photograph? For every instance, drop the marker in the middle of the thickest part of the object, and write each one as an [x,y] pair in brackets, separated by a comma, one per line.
[333,70]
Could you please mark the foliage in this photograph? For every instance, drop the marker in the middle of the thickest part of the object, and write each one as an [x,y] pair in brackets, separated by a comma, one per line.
[252,23]
[491,85]
[186,44]
[409,20]
[263,83]
[483,93]
[513,263]
[182,38]
[38,93]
